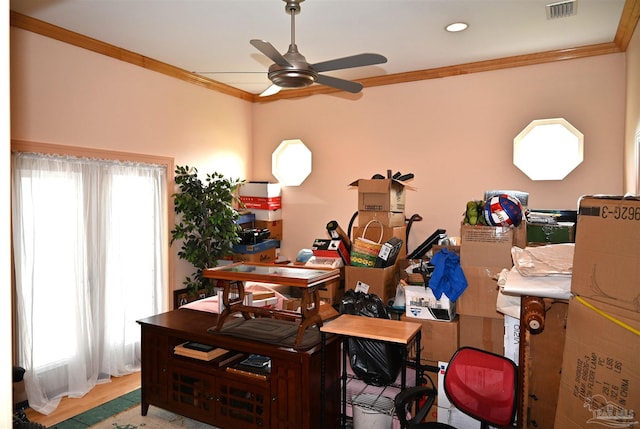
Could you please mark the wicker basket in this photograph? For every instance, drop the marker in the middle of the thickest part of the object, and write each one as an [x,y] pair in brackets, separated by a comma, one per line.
[364,251]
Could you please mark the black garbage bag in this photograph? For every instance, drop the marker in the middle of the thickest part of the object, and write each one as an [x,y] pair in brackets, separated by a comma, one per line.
[375,362]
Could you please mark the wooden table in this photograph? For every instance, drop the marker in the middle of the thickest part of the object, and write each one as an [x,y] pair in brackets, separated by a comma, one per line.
[370,328]
[306,279]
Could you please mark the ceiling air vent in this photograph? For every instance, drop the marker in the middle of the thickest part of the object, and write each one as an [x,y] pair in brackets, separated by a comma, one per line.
[562,9]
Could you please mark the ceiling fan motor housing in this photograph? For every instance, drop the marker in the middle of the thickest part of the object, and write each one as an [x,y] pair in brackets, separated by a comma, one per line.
[291,77]
[296,75]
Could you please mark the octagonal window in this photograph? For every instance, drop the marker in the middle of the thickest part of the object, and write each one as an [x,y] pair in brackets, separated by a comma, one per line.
[548,149]
[291,162]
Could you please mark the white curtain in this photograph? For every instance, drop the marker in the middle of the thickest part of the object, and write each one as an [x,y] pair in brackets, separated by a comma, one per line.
[88,249]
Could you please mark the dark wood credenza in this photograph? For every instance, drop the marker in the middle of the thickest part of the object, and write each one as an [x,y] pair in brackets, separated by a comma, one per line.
[290,397]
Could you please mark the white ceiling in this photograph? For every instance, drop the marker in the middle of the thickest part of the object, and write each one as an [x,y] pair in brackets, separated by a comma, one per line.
[213,35]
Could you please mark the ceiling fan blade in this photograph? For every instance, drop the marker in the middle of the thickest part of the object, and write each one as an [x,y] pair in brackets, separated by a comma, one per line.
[344,85]
[358,60]
[273,89]
[271,52]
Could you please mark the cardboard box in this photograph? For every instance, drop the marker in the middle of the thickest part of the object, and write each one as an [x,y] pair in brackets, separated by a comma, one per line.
[247,220]
[381,195]
[480,297]
[490,246]
[331,292]
[330,248]
[292,304]
[439,340]
[260,189]
[274,227]
[262,203]
[484,252]
[562,232]
[268,255]
[257,247]
[385,218]
[421,303]
[600,380]
[432,416]
[381,281]
[260,195]
[606,264]
[484,333]
[512,338]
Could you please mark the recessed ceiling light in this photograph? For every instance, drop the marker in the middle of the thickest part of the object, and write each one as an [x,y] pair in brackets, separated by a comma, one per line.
[456,26]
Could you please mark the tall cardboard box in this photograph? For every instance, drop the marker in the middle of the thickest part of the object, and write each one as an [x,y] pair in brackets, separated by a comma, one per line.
[606,265]
[486,333]
[484,252]
[600,380]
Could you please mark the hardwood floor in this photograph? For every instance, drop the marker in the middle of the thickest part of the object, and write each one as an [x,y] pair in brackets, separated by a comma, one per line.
[100,394]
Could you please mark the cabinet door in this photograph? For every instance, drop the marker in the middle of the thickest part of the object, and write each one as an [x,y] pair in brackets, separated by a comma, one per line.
[191,393]
[286,391]
[242,402]
[154,369]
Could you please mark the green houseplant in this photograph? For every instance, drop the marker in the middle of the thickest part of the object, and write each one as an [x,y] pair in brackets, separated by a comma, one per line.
[207,221]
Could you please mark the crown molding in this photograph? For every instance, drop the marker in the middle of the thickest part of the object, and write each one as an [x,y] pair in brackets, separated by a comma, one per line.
[626,27]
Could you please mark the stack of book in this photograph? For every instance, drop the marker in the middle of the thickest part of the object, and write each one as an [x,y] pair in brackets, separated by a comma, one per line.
[200,351]
[255,366]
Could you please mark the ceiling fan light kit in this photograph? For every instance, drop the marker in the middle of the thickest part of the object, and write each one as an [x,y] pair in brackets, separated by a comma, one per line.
[292,70]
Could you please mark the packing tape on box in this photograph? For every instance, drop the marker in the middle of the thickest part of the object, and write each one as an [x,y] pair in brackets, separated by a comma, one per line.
[607,316]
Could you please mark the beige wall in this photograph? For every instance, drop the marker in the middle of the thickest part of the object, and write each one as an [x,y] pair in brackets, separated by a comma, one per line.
[632,134]
[455,134]
[65,95]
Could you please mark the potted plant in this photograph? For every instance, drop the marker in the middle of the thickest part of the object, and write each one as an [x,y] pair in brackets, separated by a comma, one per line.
[207,222]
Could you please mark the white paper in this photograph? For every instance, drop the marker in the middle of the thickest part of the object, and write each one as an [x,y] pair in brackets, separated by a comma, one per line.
[553,259]
[558,287]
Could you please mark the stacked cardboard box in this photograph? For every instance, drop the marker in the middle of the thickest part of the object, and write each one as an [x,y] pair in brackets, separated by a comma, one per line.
[600,381]
[263,199]
[484,252]
[274,227]
[381,204]
[264,251]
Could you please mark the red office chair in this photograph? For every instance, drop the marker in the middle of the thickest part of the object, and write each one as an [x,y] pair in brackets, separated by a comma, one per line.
[481,384]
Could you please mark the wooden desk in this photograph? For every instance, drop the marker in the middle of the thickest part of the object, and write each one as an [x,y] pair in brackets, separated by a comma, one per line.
[307,279]
[387,330]
[203,390]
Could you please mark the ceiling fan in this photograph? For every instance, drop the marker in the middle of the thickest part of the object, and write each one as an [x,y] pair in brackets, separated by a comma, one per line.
[292,70]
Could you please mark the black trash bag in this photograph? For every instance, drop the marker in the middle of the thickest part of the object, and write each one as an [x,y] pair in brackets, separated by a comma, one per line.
[375,362]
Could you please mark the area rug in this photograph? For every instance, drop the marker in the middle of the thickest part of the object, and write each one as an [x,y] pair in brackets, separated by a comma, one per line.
[124,413]
[156,418]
